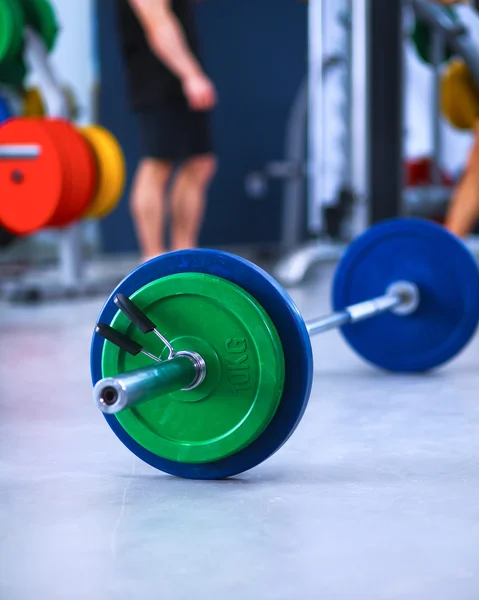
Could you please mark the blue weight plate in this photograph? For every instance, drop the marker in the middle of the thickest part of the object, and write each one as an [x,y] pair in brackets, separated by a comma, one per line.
[289,324]
[447,276]
[5,112]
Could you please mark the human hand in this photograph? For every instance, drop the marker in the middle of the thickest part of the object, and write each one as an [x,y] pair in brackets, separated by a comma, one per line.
[200,92]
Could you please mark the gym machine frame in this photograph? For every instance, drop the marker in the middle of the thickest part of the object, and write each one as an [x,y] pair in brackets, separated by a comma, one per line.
[376,31]
[292,269]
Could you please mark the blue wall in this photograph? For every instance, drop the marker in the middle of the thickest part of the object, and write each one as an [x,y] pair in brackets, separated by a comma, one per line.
[256,52]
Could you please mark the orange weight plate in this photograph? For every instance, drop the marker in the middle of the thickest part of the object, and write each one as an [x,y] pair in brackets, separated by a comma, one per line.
[81,181]
[31,190]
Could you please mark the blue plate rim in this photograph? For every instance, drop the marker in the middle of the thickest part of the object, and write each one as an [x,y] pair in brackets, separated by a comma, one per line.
[291,328]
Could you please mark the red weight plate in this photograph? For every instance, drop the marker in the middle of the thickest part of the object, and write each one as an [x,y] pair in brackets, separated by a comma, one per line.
[419,173]
[30,189]
[82,177]
[64,212]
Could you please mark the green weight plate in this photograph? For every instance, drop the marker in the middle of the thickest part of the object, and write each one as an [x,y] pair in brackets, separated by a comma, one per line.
[19,28]
[6,29]
[13,72]
[11,29]
[245,368]
[422,39]
[41,17]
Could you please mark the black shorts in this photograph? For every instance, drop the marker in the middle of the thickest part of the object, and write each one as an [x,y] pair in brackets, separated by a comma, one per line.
[172,132]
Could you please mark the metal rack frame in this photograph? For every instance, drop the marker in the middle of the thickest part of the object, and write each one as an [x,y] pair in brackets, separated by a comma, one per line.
[71,276]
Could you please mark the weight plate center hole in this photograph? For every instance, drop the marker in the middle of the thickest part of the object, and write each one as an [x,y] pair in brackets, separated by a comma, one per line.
[17,176]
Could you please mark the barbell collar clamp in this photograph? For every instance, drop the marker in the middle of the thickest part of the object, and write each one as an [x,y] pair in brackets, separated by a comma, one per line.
[123,342]
[200,366]
[141,320]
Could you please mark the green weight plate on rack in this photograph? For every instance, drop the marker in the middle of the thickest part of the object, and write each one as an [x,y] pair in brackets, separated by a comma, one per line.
[19,19]
[11,29]
[13,72]
[19,28]
[244,377]
[422,39]
[6,29]
[41,17]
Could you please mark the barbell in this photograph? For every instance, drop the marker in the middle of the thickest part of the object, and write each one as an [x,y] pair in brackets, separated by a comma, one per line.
[53,174]
[202,364]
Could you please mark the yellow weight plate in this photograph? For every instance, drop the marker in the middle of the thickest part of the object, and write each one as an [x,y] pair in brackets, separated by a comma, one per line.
[33,105]
[459,96]
[111,171]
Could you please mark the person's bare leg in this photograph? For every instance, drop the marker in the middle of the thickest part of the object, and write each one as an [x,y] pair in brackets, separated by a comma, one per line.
[148,205]
[188,200]
[463,214]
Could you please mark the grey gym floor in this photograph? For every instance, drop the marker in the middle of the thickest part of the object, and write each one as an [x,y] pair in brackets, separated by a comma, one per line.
[375,497]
